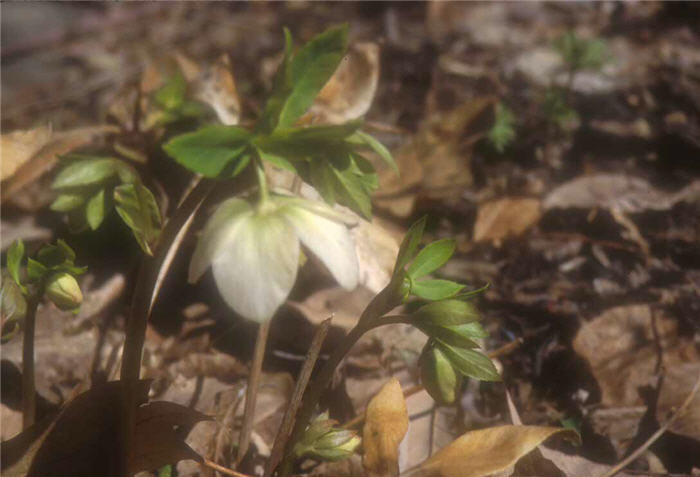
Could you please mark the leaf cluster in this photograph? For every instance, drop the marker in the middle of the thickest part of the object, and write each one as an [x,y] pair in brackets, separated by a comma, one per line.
[449,320]
[330,157]
[90,186]
[28,276]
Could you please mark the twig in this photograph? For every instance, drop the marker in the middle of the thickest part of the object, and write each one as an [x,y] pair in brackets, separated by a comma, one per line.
[641,449]
[252,391]
[294,403]
[222,469]
[28,385]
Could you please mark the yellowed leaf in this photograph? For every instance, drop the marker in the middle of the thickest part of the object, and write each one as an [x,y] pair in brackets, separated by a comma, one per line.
[486,451]
[386,424]
[505,217]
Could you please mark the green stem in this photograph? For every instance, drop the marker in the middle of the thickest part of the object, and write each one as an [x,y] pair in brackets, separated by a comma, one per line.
[28,380]
[262,183]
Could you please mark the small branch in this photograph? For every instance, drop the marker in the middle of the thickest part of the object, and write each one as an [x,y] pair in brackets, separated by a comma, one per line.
[304,376]
[641,449]
[28,383]
[222,469]
[252,391]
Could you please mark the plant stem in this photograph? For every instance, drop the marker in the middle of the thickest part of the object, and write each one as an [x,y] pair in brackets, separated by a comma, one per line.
[28,384]
[262,182]
[252,391]
[145,293]
[313,394]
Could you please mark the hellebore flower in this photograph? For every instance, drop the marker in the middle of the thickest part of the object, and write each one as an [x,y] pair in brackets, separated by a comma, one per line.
[254,252]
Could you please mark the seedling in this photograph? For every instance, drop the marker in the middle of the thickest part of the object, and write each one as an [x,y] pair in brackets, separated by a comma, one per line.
[52,274]
[502,133]
[578,54]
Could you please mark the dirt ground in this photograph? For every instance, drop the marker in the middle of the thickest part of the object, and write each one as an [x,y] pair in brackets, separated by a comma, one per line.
[586,227]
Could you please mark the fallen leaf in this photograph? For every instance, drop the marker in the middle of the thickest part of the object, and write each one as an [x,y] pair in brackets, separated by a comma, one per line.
[216,86]
[45,157]
[620,348]
[81,440]
[20,146]
[345,306]
[486,451]
[502,218]
[678,383]
[386,424]
[350,91]
[617,191]
[376,254]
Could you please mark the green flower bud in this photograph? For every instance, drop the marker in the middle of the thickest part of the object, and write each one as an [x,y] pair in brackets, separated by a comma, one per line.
[322,441]
[438,376]
[339,451]
[63,290]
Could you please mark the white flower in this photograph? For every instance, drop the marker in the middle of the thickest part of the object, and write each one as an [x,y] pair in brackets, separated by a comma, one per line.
[254,253]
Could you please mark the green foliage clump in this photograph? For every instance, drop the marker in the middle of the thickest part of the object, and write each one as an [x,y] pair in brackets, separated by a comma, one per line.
[502,133]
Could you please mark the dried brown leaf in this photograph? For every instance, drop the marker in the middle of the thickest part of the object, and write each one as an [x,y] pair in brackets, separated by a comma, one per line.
[501,218]
[386,424]
[486,451]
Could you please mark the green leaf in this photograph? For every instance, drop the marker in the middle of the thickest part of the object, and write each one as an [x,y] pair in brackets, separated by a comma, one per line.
[276,160]
[362,138]
[435,289]
[432,257]
[68,253]
[15,254]
[409,245]
[172,94]
[461,336]
[86,172]
[322,178]
[351,192]
[557,110]
[209,150]
[502,132]
[468,295]
[438,376]
[471,363]
[580,52]
[95,210]
[446,313]
[67,201]
[301,78]
[35,270]
[138,209]
[13,304]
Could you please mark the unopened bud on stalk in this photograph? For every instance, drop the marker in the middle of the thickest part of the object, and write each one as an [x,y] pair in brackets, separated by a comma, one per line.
[63,290]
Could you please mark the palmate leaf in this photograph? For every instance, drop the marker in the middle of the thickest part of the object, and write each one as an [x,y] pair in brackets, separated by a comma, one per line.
[67,202]
[302,76]
[138,209]
[211,149]
[360,138]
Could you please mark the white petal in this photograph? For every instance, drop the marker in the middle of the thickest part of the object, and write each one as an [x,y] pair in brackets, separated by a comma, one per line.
[257,267]
[220,225]
[329,240]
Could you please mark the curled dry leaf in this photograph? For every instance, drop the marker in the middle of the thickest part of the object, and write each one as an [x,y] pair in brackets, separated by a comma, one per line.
[81,441]
[486,451]
[20,146]
[350,91]
[501,218]
[386,424]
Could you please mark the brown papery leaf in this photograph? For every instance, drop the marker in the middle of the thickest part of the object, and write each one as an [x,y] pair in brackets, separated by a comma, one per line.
[486,451]
[386,424]
[350,91]
[19,146]
[505,217]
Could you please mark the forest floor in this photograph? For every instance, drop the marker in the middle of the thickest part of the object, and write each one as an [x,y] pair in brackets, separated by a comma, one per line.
[585,224]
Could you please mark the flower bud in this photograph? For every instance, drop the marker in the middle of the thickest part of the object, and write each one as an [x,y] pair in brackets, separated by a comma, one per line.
[322,441]
[63,290]
[438,376]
